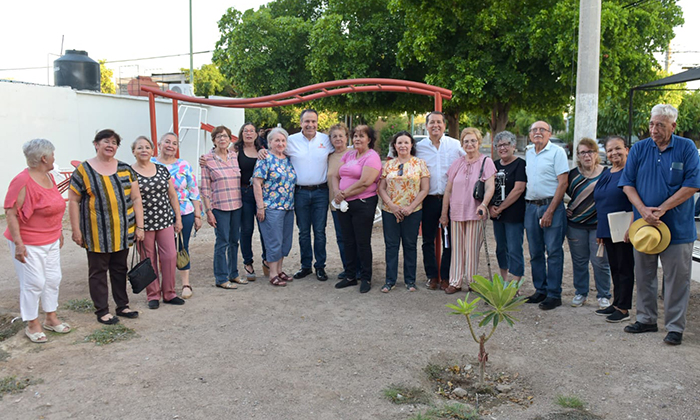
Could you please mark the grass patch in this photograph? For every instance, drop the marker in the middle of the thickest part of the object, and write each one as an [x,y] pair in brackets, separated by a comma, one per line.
[4,355]
[12,385]
[80,305]
[9,328]
[450,411]
[400,394]
[570,402]
[111,334]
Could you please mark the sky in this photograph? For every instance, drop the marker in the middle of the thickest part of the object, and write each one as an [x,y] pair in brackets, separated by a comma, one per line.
[32,32]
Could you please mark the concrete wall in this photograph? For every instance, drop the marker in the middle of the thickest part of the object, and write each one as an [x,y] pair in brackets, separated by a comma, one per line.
[70,119]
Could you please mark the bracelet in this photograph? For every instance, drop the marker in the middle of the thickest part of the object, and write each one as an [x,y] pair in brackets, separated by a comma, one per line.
[197,217]
[140,228]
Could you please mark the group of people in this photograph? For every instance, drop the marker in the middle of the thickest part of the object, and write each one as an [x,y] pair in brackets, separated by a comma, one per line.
[444,185]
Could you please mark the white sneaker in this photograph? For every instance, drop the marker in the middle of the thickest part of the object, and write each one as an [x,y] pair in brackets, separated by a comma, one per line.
[578,300]
[603,303]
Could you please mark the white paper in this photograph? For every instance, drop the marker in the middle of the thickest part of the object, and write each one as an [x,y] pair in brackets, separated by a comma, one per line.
[619,223]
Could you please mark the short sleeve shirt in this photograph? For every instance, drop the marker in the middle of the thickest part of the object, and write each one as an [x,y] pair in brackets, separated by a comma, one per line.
[310,157]
[403,181]
[439,160]
[279,179]
[657,175]
[506,177]
[609,198]
[185,184]
[463,176]
[157,212]
[351,172]
[542,169]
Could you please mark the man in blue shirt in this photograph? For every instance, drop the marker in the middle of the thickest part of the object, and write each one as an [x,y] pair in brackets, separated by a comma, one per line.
[661,175]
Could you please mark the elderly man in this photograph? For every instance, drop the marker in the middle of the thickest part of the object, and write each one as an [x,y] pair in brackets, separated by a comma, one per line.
[439,152]
[660,177]
[308,151]
[547,171]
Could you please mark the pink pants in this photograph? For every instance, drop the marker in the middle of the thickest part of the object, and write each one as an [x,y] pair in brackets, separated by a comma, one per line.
[166,257]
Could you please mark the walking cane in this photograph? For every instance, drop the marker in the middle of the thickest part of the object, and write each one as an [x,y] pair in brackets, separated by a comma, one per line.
[486,247]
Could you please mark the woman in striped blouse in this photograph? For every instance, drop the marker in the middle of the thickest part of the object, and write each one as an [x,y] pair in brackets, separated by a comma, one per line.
[105,215]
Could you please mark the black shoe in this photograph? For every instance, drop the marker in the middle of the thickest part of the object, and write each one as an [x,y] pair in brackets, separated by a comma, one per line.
[113,320]
[638,327]
[607,311]
[321,274]
[345,283]
[342,276]
[303,272]
[365,286]
[175,301]
[618,316]
[153,304]
[550,303]
[535,298]
[673,338]
[132,314]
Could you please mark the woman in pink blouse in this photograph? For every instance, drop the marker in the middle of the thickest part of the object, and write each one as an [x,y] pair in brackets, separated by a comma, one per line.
[466,213]
[34,210]
[221,195]
[356,183]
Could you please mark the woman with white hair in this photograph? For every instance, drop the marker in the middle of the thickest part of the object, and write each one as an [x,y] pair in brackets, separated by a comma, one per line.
[34,210]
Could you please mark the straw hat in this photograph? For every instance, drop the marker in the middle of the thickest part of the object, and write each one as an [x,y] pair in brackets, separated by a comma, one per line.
[649,239]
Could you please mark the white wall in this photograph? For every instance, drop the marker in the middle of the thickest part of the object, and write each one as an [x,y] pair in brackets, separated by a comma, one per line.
[70,119]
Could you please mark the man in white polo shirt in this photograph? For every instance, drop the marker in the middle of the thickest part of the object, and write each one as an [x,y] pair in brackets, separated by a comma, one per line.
[545,217]
[439,152]
[308,151]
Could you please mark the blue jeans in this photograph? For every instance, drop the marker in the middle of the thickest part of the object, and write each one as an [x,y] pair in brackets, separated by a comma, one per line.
[228,231]
[509,246]
[394,234]
[248,224]
[546,271]
[187,224]
[583,247]
[311,208]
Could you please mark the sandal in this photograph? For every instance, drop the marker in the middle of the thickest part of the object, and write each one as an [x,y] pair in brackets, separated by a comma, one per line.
[411,287]
[277,281]
[285,277]
[250,274]
[186,294]
[266,268]
[37,337]
[239,280]
[227,285]
[387,288]
[61,328]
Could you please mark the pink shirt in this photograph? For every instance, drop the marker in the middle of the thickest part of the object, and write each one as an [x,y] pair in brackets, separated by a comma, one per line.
[41,214]
[351,171]
[463,177]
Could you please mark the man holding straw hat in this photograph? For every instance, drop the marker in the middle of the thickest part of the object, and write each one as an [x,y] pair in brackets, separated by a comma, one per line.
[661,175]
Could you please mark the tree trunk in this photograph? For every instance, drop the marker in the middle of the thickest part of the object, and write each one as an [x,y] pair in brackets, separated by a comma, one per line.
[499,120]
[453,124]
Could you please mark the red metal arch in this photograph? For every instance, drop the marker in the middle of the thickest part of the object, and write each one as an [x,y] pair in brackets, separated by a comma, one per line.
[296,96]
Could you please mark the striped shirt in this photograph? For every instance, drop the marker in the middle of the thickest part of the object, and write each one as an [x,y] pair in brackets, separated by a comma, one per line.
[107,220]
[221,181]
[582,204]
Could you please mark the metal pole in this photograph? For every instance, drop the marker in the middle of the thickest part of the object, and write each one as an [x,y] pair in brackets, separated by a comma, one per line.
[586,124]
[630,119]
[152,115]
[191,50]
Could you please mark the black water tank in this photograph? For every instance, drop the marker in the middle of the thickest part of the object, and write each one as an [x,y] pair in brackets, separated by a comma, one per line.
[77,70]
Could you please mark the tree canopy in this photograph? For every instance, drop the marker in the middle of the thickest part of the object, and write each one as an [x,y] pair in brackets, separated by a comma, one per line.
[106,83]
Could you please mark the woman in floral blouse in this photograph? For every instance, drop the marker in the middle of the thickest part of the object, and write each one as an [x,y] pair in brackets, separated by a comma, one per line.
[404,184]
[274,179]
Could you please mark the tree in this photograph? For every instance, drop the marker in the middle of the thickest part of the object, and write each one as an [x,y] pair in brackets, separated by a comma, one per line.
[106,83]
[209,81]
[688,112]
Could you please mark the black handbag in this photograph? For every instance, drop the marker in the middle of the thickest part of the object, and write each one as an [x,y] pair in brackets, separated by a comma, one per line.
[480,184]
[142,274]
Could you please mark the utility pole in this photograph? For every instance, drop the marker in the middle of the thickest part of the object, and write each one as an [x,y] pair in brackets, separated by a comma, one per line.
[191,50]
[586,124]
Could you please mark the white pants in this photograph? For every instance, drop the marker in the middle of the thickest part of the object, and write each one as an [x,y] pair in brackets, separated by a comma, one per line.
[39,278]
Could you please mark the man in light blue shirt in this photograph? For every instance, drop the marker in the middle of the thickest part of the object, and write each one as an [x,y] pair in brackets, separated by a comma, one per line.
[545,217]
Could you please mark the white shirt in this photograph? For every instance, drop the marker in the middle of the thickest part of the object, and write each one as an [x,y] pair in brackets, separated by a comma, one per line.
[310,157]
[542,170]
[439,160]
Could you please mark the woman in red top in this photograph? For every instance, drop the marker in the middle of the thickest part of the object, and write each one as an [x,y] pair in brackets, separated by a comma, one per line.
[34,210]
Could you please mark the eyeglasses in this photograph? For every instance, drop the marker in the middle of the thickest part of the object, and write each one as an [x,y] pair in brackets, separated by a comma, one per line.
[222,136]
[502,146]
[539,130]
[587,153]
[400,173]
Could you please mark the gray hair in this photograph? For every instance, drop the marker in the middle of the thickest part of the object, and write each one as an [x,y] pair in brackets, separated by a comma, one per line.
[169,133]
[36,149]
[133,145]
[549,126]
[505,135]
[278,130]
[665,110]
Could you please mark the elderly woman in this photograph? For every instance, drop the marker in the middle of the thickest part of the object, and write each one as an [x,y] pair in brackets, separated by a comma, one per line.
[339,135]
[104,203]
[247,148]
[582,225]
[404,184]
[356,183]
[188,196]
[34,209]
[274,179]
[221,194]
[161,221]
[465,212]
[610,199]
[507,207]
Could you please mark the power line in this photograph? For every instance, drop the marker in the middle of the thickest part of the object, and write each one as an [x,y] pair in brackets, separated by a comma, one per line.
[115,61]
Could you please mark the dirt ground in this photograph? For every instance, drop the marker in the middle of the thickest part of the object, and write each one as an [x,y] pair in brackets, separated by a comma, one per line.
[309,351]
